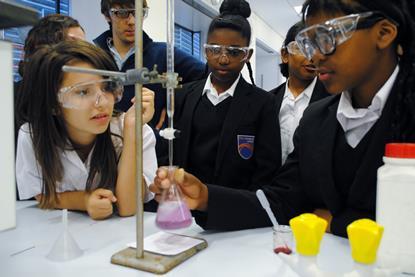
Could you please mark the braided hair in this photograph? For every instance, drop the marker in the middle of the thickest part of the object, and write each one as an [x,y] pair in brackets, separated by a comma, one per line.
[402,12]
[233,15]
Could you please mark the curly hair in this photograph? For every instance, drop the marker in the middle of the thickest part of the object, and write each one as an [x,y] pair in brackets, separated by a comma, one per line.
[50,29]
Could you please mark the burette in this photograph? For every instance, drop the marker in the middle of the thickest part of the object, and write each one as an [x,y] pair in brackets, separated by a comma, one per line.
[171,81]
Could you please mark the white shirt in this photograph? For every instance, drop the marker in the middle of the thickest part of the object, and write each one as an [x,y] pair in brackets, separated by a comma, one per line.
[212,93]
[357,122]
[117,57]
[75,175]
[291,111]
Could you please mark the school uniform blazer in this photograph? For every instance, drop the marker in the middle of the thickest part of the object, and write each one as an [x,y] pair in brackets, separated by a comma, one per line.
[319,92]
[305,182]
[251,112]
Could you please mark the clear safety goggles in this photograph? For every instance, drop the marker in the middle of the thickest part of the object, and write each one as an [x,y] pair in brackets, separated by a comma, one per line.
[213,51]
[327,36]
[83,95]
[125,13]
[293,48]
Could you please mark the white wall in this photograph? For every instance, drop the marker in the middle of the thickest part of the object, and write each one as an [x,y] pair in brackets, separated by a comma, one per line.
[267,74]
[191,19]
[261,31]
[88,13]
[155,23]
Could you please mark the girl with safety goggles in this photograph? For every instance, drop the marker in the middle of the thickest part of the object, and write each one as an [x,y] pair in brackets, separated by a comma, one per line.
[73,151]
[229,128]
[362,57]
[301,88]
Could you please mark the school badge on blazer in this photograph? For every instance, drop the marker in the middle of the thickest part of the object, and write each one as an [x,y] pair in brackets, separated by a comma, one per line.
[246,146]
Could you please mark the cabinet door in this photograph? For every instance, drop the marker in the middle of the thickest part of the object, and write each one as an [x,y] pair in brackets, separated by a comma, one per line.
[7,174]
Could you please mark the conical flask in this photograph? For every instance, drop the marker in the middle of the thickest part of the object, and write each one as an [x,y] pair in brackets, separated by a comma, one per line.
[173,212]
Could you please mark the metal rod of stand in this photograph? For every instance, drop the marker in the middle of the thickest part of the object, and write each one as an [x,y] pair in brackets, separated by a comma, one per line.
[139,128]
[68,68]
[138,258]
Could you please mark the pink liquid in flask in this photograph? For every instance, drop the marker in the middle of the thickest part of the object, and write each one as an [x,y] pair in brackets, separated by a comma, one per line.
[173,215]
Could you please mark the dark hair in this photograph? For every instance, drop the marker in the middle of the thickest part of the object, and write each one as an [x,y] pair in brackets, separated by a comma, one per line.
[48,30]
[292,32]
[233,15]
[47,127]
[402,12]
[106,6]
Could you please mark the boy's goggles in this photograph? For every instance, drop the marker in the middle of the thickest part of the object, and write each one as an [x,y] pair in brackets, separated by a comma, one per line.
[125,13]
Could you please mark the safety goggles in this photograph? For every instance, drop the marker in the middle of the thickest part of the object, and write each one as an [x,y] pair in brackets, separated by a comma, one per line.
[327,36]
[213,51]
[125,13]
[83,95]
[293,48]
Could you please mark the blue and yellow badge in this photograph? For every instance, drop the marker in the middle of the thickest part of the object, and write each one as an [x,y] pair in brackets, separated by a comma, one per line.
[246,146]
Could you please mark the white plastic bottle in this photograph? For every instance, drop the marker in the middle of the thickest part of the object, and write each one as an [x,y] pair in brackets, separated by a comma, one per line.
[395,207]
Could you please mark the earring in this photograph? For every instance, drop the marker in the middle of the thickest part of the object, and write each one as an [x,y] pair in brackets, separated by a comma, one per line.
[399,50]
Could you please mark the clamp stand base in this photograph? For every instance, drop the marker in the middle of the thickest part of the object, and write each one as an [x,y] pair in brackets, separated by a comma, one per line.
[152,262]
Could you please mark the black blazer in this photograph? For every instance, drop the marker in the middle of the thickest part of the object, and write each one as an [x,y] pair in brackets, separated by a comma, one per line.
[251,112]
[319,92]
[306,180]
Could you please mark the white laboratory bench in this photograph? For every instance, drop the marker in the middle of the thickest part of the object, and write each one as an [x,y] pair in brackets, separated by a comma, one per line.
[23,250]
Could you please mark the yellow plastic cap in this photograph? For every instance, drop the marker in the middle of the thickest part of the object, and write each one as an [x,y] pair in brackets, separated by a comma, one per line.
[364,237]
[308,230]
